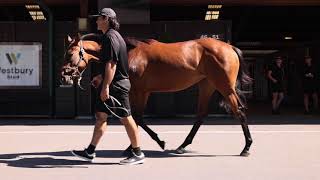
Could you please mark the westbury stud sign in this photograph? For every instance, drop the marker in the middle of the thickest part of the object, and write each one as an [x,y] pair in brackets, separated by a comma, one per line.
[20,64]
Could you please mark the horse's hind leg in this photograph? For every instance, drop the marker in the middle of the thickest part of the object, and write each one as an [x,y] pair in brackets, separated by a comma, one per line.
[205,91]
[239,113]
[138,102]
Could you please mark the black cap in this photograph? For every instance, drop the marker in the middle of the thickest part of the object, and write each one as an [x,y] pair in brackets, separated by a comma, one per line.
[108,12]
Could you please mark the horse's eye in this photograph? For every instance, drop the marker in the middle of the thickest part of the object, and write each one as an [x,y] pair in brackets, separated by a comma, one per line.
[68,56]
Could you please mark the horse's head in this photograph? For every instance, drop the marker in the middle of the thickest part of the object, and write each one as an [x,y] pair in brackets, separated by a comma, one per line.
[79,52]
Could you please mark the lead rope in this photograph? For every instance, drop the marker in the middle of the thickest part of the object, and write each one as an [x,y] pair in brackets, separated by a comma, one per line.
[113,99]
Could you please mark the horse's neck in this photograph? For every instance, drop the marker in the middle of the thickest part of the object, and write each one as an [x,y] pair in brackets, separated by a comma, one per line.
[91,46]
[93,49]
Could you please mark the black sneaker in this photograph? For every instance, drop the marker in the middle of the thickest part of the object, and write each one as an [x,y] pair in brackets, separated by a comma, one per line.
[133,159]
[307,112]
[127,152]
[84,155]
[275,112]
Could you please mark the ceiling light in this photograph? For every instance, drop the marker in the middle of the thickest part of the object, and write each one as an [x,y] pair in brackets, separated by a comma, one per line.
[215,6]
[213,12]
[35,12]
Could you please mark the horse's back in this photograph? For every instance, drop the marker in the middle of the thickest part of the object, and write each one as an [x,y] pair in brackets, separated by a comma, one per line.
[194,49]
[186,54]
[166,67]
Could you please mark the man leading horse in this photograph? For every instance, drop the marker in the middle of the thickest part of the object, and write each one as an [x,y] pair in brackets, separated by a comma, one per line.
[112,82]
[170,67]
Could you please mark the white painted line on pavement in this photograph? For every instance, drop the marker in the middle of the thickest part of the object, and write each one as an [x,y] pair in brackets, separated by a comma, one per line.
[159,132]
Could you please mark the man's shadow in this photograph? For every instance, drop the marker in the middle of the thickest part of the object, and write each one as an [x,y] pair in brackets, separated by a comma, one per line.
[45,160]
[64,159]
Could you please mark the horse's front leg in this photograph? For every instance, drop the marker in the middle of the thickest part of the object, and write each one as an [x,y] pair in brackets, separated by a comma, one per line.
[138,102]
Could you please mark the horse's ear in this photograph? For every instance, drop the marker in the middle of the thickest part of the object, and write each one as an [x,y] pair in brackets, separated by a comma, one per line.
[78,36]
[69,39]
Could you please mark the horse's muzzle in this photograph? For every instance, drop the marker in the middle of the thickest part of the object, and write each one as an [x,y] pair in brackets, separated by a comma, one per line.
[69,75]
[66,80]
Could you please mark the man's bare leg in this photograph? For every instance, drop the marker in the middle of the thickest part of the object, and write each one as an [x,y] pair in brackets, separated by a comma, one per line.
[99,128]
[137,156]
[132,130]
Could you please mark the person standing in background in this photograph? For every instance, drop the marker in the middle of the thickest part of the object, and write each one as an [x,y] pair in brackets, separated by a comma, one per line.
[276,77]
[309,85]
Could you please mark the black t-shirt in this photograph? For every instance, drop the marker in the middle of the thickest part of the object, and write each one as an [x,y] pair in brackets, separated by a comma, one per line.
[114,49]
[307,70]
[277,72]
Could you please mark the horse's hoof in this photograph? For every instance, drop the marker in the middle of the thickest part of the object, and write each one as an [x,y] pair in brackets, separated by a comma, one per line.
[244,153]
[180,150]
[162,144]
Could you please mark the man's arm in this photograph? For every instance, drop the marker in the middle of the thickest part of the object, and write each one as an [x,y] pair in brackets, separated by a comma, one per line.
[110,70]
[110,67]
[270,76]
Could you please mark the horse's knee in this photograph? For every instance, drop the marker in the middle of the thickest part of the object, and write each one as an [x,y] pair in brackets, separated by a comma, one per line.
[202,113]
[199,121]
[240,114]
[138,119]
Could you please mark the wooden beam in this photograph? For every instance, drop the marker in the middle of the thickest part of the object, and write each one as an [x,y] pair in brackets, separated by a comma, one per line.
[47,2]
[184,2]
[83,8]
[239,2]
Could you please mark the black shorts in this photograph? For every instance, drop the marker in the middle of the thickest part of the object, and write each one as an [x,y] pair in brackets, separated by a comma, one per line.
[120,91]
[309,88]
[277,87]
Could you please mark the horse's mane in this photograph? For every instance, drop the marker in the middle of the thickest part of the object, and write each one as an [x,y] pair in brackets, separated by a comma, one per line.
[91,37]
[131,42]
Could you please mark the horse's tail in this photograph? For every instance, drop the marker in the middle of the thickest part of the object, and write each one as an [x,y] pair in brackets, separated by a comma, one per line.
[242,79]
[243,76]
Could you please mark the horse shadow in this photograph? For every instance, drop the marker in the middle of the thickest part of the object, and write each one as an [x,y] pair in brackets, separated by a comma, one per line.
[62,159]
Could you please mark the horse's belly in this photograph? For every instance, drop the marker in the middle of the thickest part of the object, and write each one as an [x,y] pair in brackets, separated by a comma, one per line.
[168,82]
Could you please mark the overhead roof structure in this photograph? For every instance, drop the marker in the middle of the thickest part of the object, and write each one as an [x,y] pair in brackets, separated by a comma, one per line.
[240,2]
[184,2]
[251,19]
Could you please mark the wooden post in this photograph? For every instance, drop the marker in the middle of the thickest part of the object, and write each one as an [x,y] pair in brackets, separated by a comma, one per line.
[83,8]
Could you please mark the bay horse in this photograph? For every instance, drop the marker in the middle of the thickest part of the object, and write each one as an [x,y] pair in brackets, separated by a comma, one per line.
[169,67]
